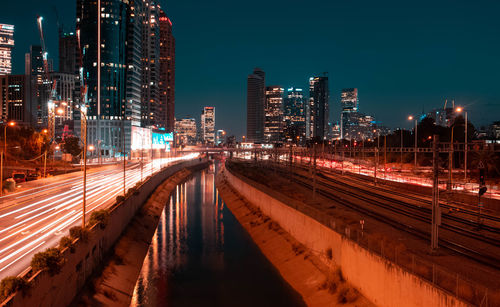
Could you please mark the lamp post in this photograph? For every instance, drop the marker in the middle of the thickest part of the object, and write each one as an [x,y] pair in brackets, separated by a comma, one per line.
[416,141]
[401,149]
[4,152]
[83,112]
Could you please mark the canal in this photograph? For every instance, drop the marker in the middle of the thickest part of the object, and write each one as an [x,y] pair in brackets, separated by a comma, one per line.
[201,256]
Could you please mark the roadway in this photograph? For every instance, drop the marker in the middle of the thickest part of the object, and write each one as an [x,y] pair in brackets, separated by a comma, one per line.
[37,217]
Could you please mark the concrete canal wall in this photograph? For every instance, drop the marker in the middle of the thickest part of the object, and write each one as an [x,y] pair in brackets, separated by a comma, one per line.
[379,280]
[87,256]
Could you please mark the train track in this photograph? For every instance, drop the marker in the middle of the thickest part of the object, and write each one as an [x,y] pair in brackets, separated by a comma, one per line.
[334,190]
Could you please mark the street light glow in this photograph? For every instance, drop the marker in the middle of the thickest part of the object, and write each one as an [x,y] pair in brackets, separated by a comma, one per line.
[12,124]
[91,147]
[459,109]
[410,117]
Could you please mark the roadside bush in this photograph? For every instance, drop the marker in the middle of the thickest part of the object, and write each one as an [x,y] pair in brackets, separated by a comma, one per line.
[78,232]
[329,253]
[99,216]
[50,260]
[9,185]
[120,198]
[347,294]
[131,191]
[12,284]
[66,242]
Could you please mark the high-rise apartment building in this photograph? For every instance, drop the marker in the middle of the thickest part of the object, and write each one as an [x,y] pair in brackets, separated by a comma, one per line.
[6,46]
[208,125]
[103,35]
[256,100]
[294,116]
[150,106]
[349,100]
[318,108]
[13,90]
[185,131]
[221,135]
[167,72]
[69,59]
[38,87]
[273,111]
[133,74]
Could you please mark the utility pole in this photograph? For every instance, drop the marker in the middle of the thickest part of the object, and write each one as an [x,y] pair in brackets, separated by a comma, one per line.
[450,162]
[314,172]
[416,143]
[436,211]
[401,150]
[385,154]
[465,149]
[84,166]
[376,166]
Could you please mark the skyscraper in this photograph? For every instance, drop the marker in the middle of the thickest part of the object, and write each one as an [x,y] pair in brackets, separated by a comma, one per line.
[349,108]
[167,72]
[13,98]
[255,106]
[69,61]
[103,40]
[150,106]
[133,75]
[208,125]
[318,107]
[38,87]
[273,110]
[294,120]
[6,45]
[185,130]
[349,100]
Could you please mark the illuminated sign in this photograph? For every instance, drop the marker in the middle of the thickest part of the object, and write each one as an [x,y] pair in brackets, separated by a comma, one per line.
[162,140]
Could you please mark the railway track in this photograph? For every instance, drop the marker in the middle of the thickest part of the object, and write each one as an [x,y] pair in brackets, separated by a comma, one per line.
[336,191]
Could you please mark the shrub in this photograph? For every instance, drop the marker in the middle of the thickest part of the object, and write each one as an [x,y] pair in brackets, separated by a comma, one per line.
[78,232]
[12,284]
[347,294]
[329,253]
[131,191]
[50,260]
[66,242]
[99,216]
[120,198]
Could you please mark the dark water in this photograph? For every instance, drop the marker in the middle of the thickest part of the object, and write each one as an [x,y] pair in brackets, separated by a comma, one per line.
[201,256]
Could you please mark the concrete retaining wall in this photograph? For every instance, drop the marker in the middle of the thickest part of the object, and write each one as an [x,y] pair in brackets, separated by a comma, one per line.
[61,289]
[380,281]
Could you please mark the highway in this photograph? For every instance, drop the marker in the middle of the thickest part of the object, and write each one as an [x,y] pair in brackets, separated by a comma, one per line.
[36,218]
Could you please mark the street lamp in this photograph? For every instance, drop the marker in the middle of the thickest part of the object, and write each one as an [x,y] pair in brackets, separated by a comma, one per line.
[4,152]
[83,113]
[416,140]
[459,110]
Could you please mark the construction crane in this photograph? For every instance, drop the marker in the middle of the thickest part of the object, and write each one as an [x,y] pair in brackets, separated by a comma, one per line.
[52,98]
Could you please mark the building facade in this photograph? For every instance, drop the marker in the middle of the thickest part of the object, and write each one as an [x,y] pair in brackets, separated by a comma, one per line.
[273,110]
[13,91]
[150,106]
[167,72]
[186,131]
[208,125]
[318,108]
[6,46]
[256,100]
[294,116]
[105,73]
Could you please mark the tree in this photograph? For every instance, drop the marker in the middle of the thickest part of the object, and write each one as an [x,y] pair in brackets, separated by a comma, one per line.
[72,146]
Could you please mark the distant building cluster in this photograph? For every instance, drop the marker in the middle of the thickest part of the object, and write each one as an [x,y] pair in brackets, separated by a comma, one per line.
[189,133]
[276,115]
[119,63]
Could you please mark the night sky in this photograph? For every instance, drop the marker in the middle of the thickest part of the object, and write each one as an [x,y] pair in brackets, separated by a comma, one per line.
[403,57]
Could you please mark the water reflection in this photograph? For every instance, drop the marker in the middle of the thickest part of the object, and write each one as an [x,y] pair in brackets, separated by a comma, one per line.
[201,256]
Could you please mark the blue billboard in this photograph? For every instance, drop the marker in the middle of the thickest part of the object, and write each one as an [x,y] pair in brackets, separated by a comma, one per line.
[162,140]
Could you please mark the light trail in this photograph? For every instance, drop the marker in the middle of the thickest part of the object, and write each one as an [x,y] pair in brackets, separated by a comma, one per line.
[35,219]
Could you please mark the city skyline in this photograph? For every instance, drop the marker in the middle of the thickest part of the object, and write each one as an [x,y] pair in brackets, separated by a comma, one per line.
[422,62]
